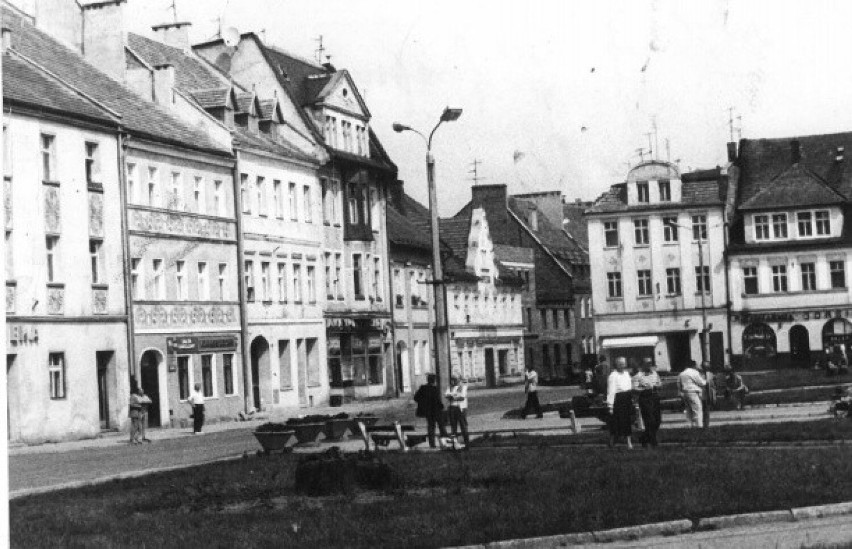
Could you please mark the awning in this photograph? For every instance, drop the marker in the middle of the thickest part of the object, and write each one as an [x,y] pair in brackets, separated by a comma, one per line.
[637,341]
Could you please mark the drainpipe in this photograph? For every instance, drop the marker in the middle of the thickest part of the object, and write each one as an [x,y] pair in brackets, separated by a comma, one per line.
[125,252]
[730,353]
[238,216]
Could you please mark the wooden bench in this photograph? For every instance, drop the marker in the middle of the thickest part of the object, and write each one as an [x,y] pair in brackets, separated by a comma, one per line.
[383,435]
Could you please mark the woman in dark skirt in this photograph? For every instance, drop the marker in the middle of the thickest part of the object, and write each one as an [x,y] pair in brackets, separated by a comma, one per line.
[619,400]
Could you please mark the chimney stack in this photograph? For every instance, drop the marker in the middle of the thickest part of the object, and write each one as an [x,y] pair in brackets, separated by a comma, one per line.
[104,38]
[7,39]
[164,83]
[174,34]
[795,151]
[732,151]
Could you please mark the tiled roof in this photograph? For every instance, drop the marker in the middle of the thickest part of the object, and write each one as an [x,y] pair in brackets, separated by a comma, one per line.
[140,117]
[550,236]
[24,83]
[575,224]
[693,193]
[796,186]
[455,232]
[244,101]
[191,73]
[296,71]
[267,109]
[208,99]
[514,254]
[247,140]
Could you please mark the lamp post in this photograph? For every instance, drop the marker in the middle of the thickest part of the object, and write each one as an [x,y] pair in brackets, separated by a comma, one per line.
[441,330]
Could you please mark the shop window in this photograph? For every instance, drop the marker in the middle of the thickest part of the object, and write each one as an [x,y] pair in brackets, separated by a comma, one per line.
[207,375]
[228,373]
[335,370]
[312,354]
[183,377]
[285,372]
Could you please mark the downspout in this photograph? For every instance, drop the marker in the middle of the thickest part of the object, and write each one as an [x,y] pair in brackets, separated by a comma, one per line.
[238,216]
[730,352]
[125,254]
[391,302]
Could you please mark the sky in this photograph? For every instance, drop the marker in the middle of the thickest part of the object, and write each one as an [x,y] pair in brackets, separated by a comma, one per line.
[556,94]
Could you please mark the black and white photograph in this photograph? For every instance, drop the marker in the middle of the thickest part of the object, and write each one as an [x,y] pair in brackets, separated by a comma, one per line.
[386,273]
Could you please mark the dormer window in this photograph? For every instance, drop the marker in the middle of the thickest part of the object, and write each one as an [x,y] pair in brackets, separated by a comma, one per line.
[779,225]
[823,224]
[665,190]
[642,191]
[805,225]
[761,227]
[241,119]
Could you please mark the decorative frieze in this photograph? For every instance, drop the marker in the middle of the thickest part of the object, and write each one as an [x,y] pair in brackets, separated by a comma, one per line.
[11,297]
[96,214]
[99,300]
[7,201]
[180,224]
[52,217]
[56,300]
[184,316]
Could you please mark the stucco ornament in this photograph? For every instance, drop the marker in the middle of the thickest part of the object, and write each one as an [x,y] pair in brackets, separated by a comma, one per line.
[99,301]
[55,301]
[96,214]
[52,219]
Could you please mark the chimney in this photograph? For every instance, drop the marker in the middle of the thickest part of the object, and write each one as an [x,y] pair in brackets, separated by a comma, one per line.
[329,67]
[494,200]
[533,220]
[732,151]
[104,38]
[7,39]
[164,83]
[396,191]
[795,151]
[174,34]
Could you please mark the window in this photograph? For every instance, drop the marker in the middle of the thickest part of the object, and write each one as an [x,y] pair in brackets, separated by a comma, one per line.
[356,275]
[670,229]
[279,198]
[180,280]
[808,276]
[152,186]
[642,191]
[543,314]
[582,308]
[309,205]
[260,190]
[56,372]
[779,278]
[555,319]
[750,280]
[131,183]
[613,285]
[136,281]
[249,279]
[219,198]
[294,207]
[297,283]
[177,191]
[335,193]
[198,197]
[228,373]
[311,277]
[282,282]
[779,225]
[377,278]
[353,205]
[183,377]
[338,284]
[673,281]
[702,280]
[838,274]
[285,368]
[158,285]
[761,227]
[207,375]
[327,272]
[805,226]
[264,281]
[97,261]
[665,190]
[567,318]
[326,196]
[223,276]
[699,227]
[644,279]
[203,282]
[93,162]
[244,193]
[823,224]
[48,157]
[640,232]
[52,244]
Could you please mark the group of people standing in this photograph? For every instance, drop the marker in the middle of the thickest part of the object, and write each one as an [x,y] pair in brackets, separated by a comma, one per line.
[624,394]
[138,412]
[431,407]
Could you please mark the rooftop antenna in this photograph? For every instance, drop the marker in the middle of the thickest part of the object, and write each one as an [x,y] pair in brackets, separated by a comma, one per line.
[656,136]
[320,49]
[739,128]
[650,146]
[641,152]
[475,171]
[668,151]
[731,123]
[173,7]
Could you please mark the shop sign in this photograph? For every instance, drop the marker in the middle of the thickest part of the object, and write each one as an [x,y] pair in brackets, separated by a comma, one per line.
[217,344]
[813,314]
[21,335]
[375,343]
[354,324]
[181,345]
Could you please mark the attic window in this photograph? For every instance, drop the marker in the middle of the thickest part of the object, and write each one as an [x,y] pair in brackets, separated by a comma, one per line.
[345,92]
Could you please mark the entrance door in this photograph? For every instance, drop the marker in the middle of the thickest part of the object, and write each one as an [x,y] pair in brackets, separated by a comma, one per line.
[490,378]
[103,358]
[800,346]
[403,375]
[150,374]
[259,361]
[302,355]
[717,351]
[679,353]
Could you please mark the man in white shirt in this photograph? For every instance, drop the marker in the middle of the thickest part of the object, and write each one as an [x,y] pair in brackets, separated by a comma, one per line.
[196,399]
[531,388]
[457,409]
[691,385]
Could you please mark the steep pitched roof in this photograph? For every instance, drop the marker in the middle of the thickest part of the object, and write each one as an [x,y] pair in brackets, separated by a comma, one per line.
[455,232]
[575,225]
[191,73]
[695,191]
[796,186]
[140,117]
[212,98]
[550,236]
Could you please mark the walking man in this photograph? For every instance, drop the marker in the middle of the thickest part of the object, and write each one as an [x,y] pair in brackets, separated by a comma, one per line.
[691,385]
[531,388]
[457,398]
[196,399]
[646,384]
[134,413]
[144,403]
[429,406]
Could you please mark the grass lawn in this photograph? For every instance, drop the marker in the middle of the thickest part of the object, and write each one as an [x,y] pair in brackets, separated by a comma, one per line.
[443,498]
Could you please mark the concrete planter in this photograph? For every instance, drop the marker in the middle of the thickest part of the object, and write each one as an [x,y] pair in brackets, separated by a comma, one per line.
[307,433]
[273,441]
[336,428]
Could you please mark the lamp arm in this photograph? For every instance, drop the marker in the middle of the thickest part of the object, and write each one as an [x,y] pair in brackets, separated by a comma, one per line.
[429,142]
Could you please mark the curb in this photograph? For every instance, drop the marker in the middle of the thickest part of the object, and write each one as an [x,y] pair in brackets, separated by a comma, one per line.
[629,533]
[820,511]
[745,519]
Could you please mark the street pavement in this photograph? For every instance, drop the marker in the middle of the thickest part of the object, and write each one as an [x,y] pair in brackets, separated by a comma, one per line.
[61,464]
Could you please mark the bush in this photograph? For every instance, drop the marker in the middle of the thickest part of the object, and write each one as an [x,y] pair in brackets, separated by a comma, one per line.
[333,473]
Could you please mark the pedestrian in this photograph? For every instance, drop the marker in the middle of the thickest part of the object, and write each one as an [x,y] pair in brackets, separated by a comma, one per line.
[134,414]
[619,403]
[457,398]
[531,389]
[429,406]
[735,388]
[690,384]
[144,403]
[196,399]
[602,372]
[647,384]
[709,393]
[588,382]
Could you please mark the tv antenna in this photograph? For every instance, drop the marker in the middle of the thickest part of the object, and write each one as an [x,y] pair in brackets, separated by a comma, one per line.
[641,152]
[320,49]
[475,171]
[173,7]
[734,128]
[650,145]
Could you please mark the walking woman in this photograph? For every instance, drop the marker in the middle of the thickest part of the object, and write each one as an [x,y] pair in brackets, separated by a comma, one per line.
[619,401]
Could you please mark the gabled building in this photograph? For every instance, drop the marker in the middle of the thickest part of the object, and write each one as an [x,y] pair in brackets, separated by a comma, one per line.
[576,229]
[330,114]
[656,245]
[790,250]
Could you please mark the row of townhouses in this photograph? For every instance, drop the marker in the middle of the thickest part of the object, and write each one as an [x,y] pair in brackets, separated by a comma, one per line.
[224,215]
[745,265]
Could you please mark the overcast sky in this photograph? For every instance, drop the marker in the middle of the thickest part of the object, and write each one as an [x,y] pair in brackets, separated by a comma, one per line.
[572,86]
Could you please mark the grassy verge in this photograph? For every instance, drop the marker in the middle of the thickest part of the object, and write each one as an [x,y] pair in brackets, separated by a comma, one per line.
[443,499]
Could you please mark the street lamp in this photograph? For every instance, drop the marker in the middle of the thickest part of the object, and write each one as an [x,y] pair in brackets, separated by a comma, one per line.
[441,333]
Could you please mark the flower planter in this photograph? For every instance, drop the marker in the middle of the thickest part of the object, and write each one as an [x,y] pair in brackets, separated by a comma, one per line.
[273,441]
[307,433]
[336,428]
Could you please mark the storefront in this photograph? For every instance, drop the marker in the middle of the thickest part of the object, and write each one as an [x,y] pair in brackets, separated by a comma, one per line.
[359,348]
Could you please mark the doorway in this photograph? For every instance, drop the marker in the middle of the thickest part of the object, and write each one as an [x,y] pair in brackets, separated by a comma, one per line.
[490,378]
[403,375]
[800,346]
[259,360]
[150,379]
[679,351]
[104,359]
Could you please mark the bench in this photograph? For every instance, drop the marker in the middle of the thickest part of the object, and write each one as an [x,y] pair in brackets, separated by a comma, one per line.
[383,435]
